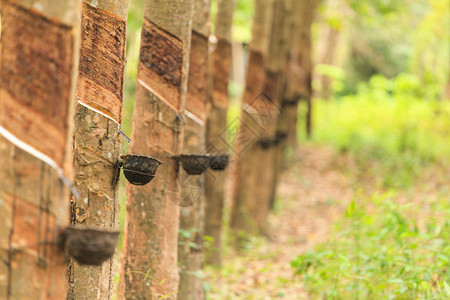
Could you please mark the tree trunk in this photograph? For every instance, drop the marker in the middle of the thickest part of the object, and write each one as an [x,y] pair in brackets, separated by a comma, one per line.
[39,59]
[217,123]
[302,55]
[329,41]
[245,200]
[296,85]
[151,226]
[192,205]
[96,138]
[298,69]
[281,43]
[305,56]
[293,77]
[265,109]
[297,82]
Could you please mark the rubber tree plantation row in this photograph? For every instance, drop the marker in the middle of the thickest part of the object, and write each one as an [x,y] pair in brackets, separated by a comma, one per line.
[61,94]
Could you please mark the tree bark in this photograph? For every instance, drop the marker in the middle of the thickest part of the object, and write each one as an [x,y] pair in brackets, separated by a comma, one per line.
[245,200]
[96,138]
[217,122]
[152,220]
[257,167]
[304,54]
[38,59]
[293,77]
[297,83]
[192,205]
[301,85]
[281,41]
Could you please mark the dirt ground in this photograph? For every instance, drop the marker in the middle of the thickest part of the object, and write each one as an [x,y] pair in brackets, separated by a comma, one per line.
[312,193]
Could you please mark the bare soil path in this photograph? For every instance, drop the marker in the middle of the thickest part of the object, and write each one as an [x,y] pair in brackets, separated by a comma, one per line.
[312,193]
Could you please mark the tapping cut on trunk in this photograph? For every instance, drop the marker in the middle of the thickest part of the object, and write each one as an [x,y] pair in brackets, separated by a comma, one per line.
[38,65]
[151,227]
[161,62]
[97,139]
[34,70]
[197,96]
[102,56]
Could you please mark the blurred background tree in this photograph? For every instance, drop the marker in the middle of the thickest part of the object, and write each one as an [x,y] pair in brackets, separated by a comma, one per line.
[386,38]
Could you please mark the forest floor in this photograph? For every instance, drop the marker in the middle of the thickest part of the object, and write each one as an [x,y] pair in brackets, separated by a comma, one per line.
[313,193]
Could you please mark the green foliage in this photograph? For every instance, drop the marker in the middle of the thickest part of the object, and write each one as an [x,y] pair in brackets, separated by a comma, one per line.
[337,74]
[390,37]
[389,126]
[431,49]
[393,129]
[381,37]
[380,253]
[242,21]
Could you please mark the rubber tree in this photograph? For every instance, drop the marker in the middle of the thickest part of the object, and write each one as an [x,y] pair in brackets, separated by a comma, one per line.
[39,59]
[192,205]
[96,135]
[251,125]
[305,53]
[287,98]
[281,41]
[149,265]
[253,197]
[297,81]
[300,67]
[221,58]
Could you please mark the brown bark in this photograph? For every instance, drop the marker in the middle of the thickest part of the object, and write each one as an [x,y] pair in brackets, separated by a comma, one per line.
[192,215]
[288,98]
[96,138]
[297,83]
[152,220]
[216,124]
[256,165]
[304,54]
[293,77]
[300,87]
[257,110]
[192,205]
[39,58]
[281,41]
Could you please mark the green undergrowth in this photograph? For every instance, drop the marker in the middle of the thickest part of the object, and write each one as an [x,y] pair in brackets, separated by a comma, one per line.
[392,128]
[382,248]
[379,251]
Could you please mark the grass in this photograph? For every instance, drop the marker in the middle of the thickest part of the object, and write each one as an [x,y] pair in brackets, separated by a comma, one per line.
[389,127]
[381,253]
[393,245]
